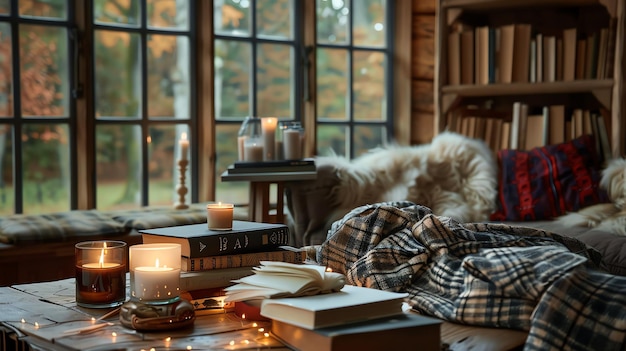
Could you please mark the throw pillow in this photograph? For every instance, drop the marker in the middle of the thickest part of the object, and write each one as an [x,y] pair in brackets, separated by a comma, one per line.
[549,181]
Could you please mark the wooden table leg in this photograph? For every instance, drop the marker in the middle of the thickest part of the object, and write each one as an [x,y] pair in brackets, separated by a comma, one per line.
[260,203]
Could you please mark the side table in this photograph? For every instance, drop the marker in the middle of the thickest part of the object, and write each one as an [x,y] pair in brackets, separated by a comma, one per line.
[259,196]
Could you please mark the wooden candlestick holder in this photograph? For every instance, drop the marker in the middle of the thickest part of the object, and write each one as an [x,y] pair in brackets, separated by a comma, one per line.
[181,189]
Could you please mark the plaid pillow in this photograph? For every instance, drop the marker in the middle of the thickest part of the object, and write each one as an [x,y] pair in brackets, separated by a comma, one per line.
[54,227]
[547,182]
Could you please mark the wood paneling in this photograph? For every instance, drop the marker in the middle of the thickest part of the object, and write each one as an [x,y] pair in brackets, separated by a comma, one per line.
[425,6]
[423,47]
[422,71]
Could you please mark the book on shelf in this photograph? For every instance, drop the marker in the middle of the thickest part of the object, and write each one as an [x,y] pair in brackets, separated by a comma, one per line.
[581,54]
[569,53]
[197,240]
[211,279]
[399,332]
[556,124]
[273,279]
[283,254]
[603,134]
[454,58]
[521,56]
[505,53]
[350,305]
[275,163]
[467,53]
[535,131]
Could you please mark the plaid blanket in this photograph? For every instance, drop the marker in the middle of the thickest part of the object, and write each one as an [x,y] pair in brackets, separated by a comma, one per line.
[483,274]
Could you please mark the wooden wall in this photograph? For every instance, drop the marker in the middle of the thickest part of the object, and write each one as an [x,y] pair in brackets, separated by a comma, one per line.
[422,70]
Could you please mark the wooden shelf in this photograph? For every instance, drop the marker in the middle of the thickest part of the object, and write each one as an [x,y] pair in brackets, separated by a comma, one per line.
[545,16]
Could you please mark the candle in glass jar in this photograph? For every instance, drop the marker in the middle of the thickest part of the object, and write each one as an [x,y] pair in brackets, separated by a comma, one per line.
[100,274]
[253,150]
[155,272]
[292,144]
[184,146]
[220,216]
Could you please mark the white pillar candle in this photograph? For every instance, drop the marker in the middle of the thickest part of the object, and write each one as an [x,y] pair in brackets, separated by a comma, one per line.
[155,272]
[268,126]
[220,216]
[253,150]
[291,144]
[184,146]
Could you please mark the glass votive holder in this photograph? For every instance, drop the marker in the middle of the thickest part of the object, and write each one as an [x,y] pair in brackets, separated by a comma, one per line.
[219,216]
[253,149]
[100,273]
[155,273]
[292,140]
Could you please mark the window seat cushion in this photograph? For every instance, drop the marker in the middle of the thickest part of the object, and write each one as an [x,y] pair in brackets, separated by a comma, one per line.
[56,227]
[157,217]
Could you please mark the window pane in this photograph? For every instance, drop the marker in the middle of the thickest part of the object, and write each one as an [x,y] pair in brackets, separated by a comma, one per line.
[163,168]
[232,79]
[332,139]
[274,81]
[118,166]
[274,19]
[168,76]
[332,84]
[226,145]
[46,168]
[117,74]
[369,23]
[7,202]
[231,17]
[367,137]
[332,21]
[369,86]
[115,11]
[43,71]
[5,7]
[6,72]
[48,9]
[168,14]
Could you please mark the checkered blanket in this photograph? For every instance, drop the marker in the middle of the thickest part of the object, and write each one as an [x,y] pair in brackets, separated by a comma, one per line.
[483,274]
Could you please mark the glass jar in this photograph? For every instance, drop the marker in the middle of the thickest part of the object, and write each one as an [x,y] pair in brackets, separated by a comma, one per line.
[292,140]
[250,133]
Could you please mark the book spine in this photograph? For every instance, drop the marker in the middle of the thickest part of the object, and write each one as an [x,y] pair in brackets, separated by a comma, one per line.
[238,242]
[241,260]
[247,170]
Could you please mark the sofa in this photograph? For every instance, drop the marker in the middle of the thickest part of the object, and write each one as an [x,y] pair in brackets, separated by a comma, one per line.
[466,186]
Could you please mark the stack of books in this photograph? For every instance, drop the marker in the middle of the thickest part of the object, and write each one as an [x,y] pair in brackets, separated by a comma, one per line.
[305,165]
[212,259]
[312,309]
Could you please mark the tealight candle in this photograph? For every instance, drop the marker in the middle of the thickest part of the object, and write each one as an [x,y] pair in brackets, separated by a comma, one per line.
[155,272]
[100,273]
[220,216]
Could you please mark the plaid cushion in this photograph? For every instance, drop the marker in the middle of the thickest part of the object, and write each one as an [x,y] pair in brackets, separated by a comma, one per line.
[547,182]
[158,217]
[54,227]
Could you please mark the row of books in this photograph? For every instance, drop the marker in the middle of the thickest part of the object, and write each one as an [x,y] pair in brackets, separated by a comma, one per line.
[516,53]
[212,259]
[523,128]
[312,309]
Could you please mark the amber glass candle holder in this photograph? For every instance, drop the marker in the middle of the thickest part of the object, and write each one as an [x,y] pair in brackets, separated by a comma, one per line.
[100,273]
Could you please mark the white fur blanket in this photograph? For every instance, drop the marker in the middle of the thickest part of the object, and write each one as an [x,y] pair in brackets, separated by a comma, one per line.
[454,176]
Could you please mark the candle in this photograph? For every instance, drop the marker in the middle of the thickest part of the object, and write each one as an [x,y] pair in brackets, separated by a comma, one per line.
[155,272]
[268,127]
[240,145]
[253,150]
[100,273]
[220,216]
[292,143]
[184,146]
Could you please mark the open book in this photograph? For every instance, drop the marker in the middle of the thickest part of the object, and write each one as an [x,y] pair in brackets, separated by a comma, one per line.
[273,279]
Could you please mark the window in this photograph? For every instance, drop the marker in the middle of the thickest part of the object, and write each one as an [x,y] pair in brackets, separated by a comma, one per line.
[143,100]
[96,96]
[262,67]
[35,110]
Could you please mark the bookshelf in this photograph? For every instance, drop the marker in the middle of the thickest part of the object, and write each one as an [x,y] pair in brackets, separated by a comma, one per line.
[478,65]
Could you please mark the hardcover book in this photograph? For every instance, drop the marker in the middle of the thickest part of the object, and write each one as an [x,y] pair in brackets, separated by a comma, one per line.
[350,305]
[282,254]
[197,240]
[400,332]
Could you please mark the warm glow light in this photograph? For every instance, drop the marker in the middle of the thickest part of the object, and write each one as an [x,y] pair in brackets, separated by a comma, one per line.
[261,329]
[266,335]
[36,325]
[254,325]
[93,319]
[168,338]
[328,269]
[246,342]
[243,316]
[231,343]
[156,263]
[189,347]
[23,321]
[114,334]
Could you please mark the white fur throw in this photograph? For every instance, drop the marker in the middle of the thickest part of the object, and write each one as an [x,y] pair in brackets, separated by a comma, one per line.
[610,217]
[454,176]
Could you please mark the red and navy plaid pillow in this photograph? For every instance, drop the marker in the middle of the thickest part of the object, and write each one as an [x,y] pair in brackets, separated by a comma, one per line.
[547,182]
